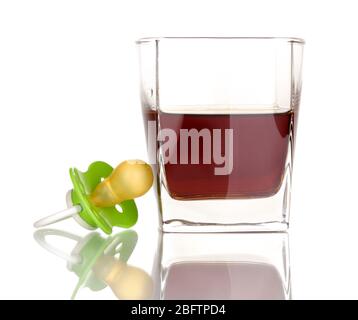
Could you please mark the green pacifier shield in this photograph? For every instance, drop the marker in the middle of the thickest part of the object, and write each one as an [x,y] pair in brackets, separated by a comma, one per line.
[104,218]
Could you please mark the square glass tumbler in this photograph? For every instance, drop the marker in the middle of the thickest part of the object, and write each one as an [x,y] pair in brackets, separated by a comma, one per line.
[220,116]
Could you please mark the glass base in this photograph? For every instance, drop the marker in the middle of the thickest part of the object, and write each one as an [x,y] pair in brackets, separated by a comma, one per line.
[269,214]
[189,227]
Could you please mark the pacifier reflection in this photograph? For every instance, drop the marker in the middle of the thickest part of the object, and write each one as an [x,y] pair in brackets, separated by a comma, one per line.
[186,266]
[100,262]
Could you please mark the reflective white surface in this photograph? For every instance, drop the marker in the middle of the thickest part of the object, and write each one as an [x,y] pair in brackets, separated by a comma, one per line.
[317,257]
[184,266]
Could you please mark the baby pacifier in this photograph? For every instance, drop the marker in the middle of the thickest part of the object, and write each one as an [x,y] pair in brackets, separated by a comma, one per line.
[99,262]
[102,197]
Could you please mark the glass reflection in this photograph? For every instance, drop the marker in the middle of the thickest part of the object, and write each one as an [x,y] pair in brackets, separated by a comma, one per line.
[225,266]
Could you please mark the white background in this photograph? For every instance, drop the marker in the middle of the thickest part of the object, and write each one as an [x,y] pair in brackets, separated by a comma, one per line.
[69,96]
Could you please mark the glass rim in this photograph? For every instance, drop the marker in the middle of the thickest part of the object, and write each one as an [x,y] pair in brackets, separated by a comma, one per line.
[283,39]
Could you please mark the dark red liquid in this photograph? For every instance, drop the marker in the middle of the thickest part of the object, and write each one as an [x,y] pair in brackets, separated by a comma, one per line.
[260,148]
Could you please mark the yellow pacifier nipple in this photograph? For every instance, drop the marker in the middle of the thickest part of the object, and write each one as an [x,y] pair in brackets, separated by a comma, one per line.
[130,179]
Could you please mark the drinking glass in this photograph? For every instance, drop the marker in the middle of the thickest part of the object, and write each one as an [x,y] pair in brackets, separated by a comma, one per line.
[220,116]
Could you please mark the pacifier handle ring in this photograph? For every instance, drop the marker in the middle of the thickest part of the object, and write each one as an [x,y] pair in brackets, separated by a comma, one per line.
[40,237]
[58,216]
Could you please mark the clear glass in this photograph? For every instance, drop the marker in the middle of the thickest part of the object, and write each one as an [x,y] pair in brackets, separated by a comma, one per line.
[220,116]
[217,266]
